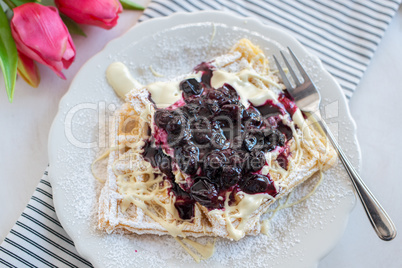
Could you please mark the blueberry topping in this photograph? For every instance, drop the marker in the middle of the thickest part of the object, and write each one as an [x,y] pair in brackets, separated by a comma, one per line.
[162,118]
[164,162]
[218,143]
[204,192]
[185,210]
[282,161]
[191,109]
[191,87]
[187,158]
[285,130]
[249,142]
[238,159]
[175,125]
[253,141]
[223,95]
[252,117]
[269,109]
[273,138]
[201,131]
[232,111]
[256,183]
[230,176]
[256,160]
[213,163]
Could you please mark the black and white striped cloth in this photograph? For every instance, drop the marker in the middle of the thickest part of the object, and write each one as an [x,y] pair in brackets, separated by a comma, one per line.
[343,33]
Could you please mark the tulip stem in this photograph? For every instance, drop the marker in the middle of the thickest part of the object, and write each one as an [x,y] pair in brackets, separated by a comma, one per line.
[10,4]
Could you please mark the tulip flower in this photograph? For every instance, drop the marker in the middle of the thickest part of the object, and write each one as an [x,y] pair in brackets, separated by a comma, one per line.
[102,13]
[41,35]
[28,70]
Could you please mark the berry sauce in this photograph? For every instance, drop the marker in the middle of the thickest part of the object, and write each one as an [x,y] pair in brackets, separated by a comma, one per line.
[219,143]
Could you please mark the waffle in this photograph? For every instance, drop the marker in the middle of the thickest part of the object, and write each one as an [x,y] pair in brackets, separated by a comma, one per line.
[136,199]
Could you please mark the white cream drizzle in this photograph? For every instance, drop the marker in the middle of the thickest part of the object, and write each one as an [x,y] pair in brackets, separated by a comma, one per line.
[164,94]
[119,78]
[241,83]
[155,73]
[242,212]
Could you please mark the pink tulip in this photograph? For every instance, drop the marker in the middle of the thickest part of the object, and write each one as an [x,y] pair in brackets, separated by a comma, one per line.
[102,13]
[28,70]
[41,35]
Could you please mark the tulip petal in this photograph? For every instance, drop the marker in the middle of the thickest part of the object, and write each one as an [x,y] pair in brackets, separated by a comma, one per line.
[102,13]
[41,35]
[28,70]
[38,30]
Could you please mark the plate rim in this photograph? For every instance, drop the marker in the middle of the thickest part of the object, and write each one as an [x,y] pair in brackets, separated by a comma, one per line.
[194,17]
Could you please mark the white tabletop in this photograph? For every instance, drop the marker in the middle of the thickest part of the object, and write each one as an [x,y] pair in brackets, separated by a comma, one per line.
[26,123]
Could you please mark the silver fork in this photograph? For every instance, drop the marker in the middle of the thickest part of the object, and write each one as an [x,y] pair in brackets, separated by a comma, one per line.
[308,99]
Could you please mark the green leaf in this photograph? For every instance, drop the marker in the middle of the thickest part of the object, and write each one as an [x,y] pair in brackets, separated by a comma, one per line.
[128,4]
[21,2]
[72,26]
[8,55]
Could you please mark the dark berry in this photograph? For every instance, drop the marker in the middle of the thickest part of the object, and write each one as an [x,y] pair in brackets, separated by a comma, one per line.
[257,183]
[273,138]
[255,161]
[232,111]
[271,122]
[201,131]
[229,91]
[149,153]
[180,194]
[187,158]
[213,163]
[238,159]
[185,210]
[215,159]
[164,162]
[204,192]
[253,141]
[237,142]
[219,141]
[269,109]
[222,96]
[162,117]
[249,142]
[212,105]
[282,161]
[287,131]
[191,87]
[191,109]
[176,124]
[252,117]
[180,139]
[228,152]
[230,176]
[206,70]
[205,111]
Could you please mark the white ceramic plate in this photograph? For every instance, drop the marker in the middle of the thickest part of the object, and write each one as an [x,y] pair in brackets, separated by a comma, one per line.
[300,236]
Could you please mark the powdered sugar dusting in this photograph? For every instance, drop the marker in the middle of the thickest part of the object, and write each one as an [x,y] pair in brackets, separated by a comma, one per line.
[172,52]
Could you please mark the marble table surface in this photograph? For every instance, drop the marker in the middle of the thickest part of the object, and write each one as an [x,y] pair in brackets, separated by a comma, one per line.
[26,122]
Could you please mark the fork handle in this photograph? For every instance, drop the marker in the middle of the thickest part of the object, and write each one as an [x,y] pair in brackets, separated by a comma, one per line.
[381,222]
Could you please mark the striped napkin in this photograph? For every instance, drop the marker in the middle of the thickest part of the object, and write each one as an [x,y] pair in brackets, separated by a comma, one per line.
[343,33]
